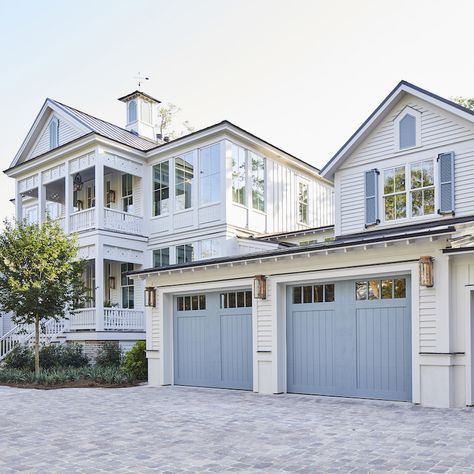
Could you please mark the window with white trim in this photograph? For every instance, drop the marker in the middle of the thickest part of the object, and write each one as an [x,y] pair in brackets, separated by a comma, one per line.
[161,257]
[209,174]
[258,181]
[53,133]
[210,248]
[161,188]
[394,193]
[422,188]
[407,128]
[127,192]
[132,111]
[239,174]
[184,253]
[303,202]
[184,174]
[128,290]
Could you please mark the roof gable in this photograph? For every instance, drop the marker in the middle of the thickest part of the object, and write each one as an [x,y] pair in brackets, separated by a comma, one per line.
[382,111]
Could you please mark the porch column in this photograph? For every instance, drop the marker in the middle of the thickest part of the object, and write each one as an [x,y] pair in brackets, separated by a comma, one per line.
[99,289]
[99,191]
[67,197]
[18,202]
[41,199]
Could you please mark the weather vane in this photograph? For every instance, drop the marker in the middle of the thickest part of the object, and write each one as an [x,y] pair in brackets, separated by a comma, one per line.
[141,79]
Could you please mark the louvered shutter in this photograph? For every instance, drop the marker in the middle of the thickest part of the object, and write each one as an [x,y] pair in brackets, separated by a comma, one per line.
[446,183]
[371,197]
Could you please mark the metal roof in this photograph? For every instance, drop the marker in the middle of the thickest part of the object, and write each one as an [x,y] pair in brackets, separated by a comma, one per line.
[107,129]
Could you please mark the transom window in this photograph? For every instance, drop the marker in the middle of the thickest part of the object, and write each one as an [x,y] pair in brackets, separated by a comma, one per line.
[161,188]
[303,202]
[191,303]
[236,299]
[409,191]
[323,293]
[380,289]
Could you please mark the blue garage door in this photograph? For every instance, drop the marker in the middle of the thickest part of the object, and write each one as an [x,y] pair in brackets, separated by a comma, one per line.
[213,340]
[350,338]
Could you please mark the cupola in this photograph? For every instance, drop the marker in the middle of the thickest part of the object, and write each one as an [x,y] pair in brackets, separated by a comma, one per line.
[142,113]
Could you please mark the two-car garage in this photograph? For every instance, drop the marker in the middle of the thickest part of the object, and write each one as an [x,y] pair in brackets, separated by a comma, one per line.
[343,338]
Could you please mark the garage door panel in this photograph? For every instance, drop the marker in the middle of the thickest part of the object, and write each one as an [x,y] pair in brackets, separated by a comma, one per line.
[236,350]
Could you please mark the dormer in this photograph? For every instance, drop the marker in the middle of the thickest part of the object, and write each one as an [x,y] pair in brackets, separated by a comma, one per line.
[407,128]
[141,113]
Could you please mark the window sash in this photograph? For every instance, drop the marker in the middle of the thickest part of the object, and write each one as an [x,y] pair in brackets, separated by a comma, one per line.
[184,174]
[161,257]
[239,175]
[184,253]
[303,202]
[258,181]
[161,188]
[209,174]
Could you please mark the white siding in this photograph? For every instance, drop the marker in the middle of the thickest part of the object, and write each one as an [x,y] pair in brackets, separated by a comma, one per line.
[155,329]
[265,321]
[428,318]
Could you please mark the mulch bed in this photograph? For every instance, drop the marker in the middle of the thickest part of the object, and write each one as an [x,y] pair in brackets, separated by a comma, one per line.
[75,384]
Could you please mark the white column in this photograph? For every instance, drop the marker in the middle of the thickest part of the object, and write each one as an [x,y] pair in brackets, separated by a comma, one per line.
[99,289]
[99,191]
[18,202]
[442,275]
[41,199]
[68,189]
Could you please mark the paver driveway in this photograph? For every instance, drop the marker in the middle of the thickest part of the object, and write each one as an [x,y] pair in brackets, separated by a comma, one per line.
[179,429]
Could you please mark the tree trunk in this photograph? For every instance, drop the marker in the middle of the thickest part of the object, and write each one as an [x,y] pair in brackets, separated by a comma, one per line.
[37,356]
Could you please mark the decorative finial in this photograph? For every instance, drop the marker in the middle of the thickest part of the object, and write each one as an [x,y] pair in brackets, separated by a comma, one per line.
[140,79]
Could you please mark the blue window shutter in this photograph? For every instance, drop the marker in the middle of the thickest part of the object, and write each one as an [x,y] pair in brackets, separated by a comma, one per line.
[371,197]
[446,183]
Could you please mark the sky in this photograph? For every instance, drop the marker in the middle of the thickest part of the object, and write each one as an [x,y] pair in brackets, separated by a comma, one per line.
[301,74]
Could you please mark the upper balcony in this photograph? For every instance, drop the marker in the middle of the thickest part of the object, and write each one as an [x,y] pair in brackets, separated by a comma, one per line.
[94,197]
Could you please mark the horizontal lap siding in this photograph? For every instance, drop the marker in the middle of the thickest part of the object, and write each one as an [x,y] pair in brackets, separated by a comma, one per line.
[428,317]
[264,322]
[155,329]
[464,179]
[352,203]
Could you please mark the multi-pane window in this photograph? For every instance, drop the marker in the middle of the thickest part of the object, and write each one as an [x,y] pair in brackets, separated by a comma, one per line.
[184,253]
[161,257]
[380,289]
[422,188]
[161,188]
[209,174]
[126,283]
[127,192]
[191,303]
[184,174]
[258,181]
[303,202]
[210,248]
[90,196]
[236,299]
[395,197]
[323,293]
[239,174]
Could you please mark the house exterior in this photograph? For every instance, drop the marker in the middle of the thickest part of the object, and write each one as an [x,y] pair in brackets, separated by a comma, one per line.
[382,310]
[136,200]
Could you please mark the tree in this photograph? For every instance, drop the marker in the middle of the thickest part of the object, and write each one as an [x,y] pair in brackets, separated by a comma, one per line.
[169,124]
[40,275]
[465,102]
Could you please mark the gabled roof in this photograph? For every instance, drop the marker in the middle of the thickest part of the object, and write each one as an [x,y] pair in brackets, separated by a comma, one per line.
[402,88]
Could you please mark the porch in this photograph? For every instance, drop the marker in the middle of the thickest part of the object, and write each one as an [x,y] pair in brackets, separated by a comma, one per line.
[108,319]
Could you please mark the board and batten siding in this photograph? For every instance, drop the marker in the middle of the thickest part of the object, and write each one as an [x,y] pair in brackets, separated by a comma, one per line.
[67,133]
[441,132]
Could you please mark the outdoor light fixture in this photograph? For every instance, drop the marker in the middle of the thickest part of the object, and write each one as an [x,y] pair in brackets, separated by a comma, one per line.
[426,271]
[150,296]
[112,282]
[110,196]
[260,287]
[77,182]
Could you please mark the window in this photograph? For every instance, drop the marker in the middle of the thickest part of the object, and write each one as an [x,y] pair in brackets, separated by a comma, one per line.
[422,188]
[395,198]
[128,291]
[53,133]
[323,293]
[191,303]
[89,283]
[303,202]
[380,289]
[161,188]
[184,174]
[132,111]
[146,112]
[90,195]
[161,257]
[236,299]
[239,174]
[407,132]
[258,181]
[127,192]
[209,174]
[184,253]
[31,214]
[210,248]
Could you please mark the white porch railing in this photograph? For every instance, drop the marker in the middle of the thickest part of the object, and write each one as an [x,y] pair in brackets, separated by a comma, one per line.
[80,319]
[62,222]
[117,319]
[122,221]
[82,220]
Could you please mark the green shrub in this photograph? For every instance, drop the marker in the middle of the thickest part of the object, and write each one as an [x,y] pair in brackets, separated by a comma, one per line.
[20,358]
[73,356]
[109,355]
[50,356]
[135,362]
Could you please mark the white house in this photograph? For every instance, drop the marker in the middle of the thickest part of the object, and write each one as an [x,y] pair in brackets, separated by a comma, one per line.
[138,200]
[384,310]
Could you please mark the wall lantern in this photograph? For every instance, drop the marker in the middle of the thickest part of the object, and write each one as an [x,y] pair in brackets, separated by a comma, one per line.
[426,271]
[112,282]
[260,287]
[110,196]
[77,182]
[150,296]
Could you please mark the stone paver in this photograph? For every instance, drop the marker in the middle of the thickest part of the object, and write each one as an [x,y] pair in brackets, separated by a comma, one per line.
[178,429]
